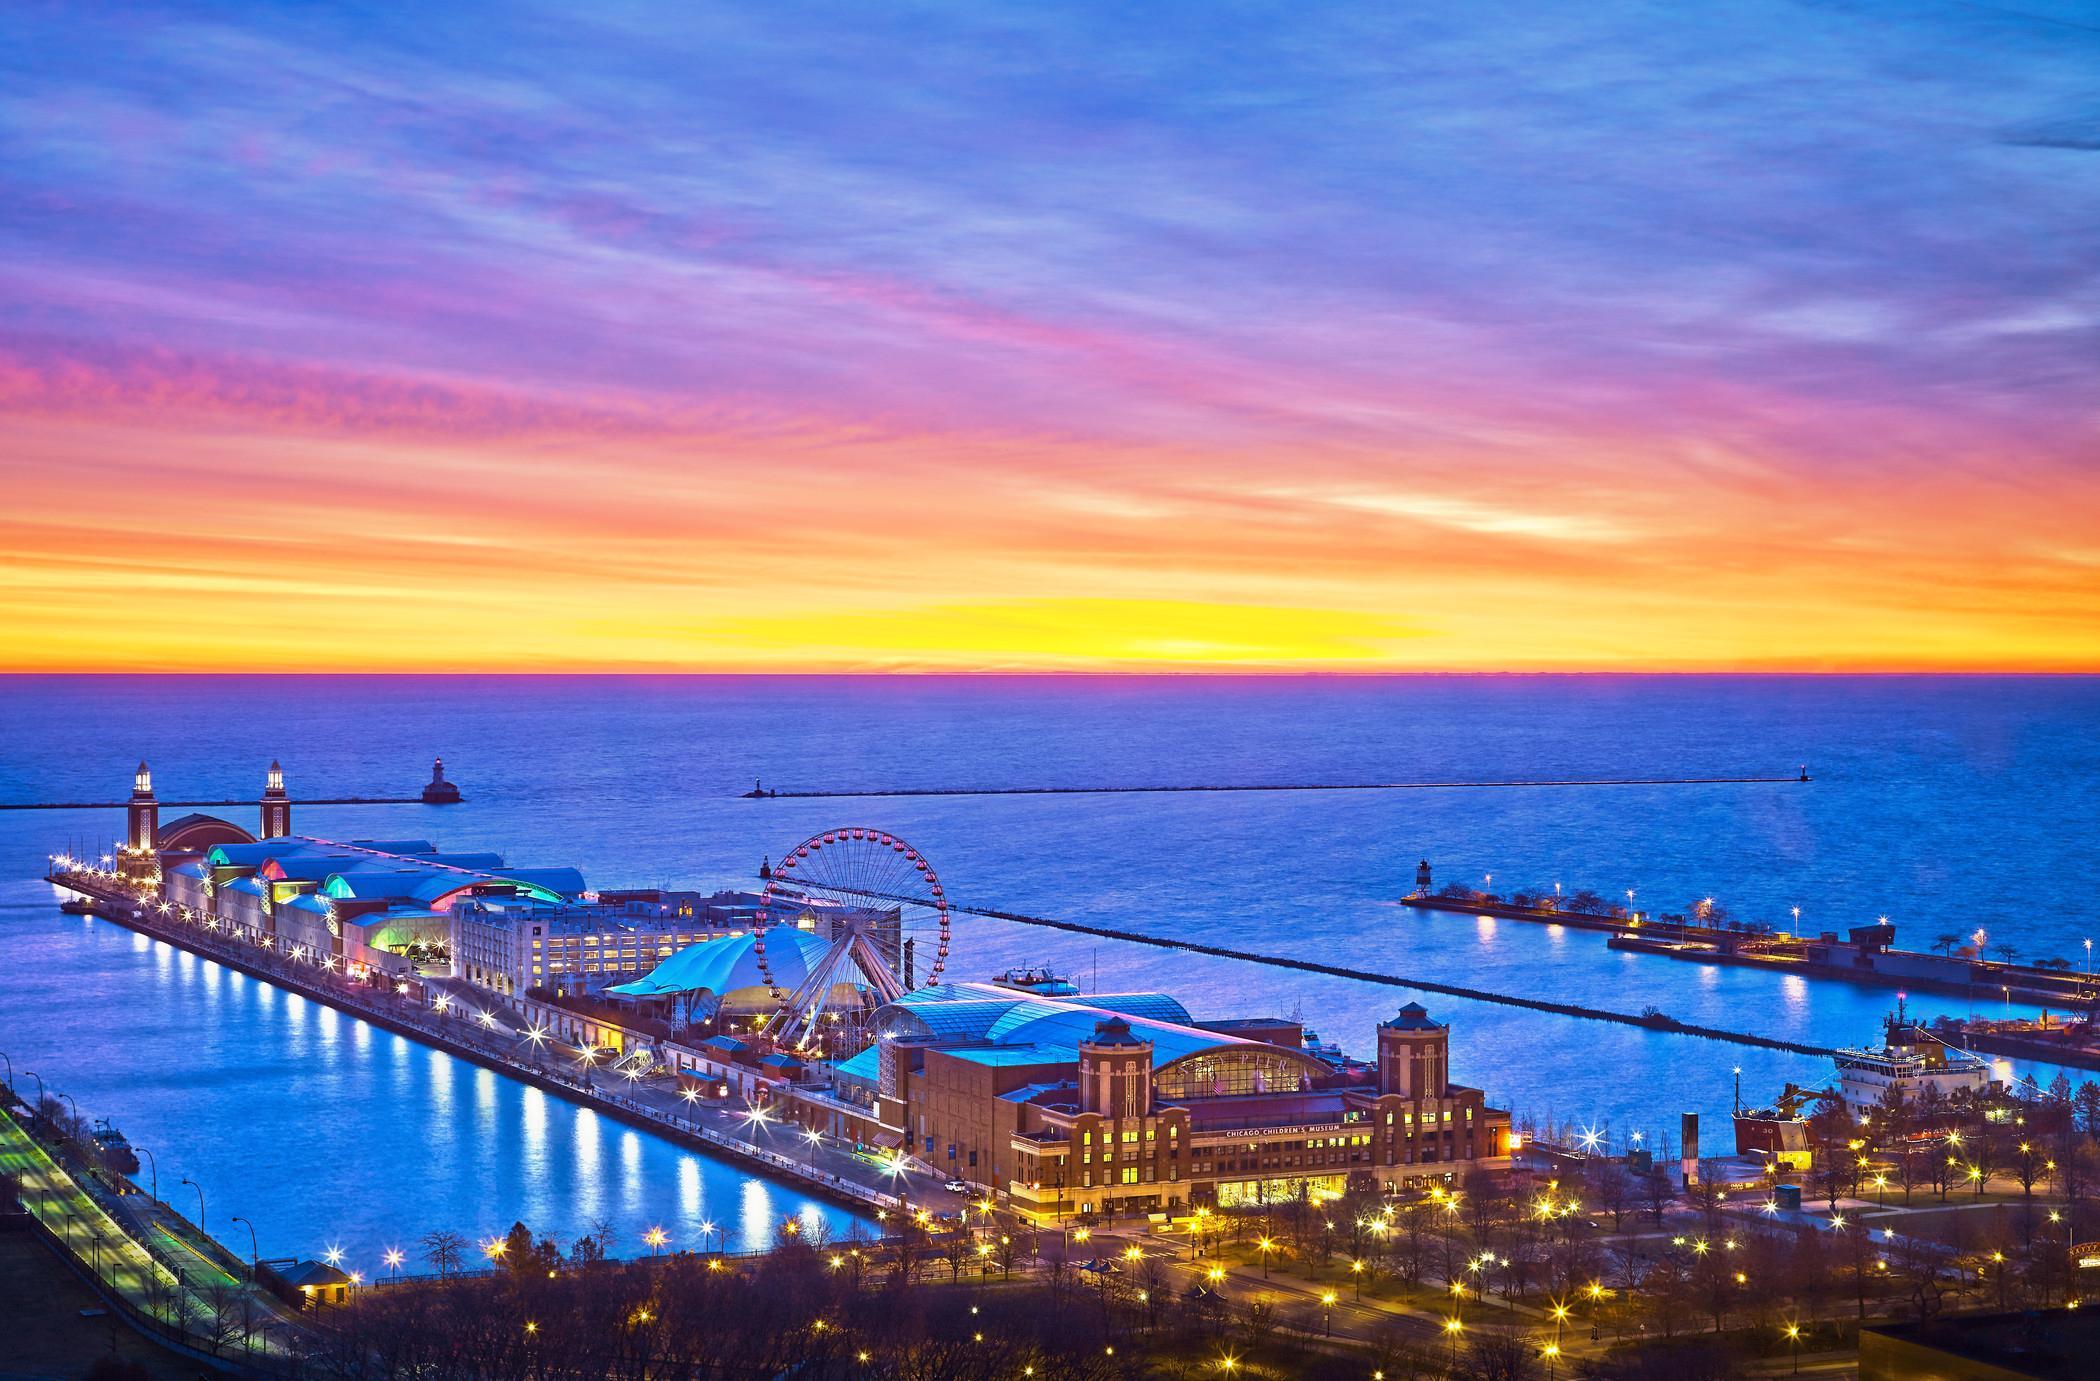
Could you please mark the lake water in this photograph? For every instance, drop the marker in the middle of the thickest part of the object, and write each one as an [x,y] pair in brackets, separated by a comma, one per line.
[1949,804]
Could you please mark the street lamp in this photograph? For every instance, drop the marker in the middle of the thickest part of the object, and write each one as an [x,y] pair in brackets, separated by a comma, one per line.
[200,1199]
[1793,1345]
[1267,1246]
[1327,1298]
[254,1251]
[154,1162]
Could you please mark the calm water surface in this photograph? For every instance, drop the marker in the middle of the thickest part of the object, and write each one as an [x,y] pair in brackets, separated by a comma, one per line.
[1946,803]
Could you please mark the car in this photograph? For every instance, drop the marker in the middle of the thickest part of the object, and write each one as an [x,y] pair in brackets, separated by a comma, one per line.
[955,1186]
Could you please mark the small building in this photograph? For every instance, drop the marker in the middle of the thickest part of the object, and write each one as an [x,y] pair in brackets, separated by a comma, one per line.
[305,1284]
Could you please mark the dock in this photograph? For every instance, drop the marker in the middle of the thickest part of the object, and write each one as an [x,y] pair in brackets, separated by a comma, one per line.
[1864,955]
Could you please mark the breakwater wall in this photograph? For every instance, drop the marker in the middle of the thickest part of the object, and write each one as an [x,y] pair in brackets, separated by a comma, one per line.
[1648,1021]
[303,800]
[761,793]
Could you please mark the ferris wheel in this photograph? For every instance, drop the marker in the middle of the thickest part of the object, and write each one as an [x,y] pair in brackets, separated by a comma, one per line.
[864,889]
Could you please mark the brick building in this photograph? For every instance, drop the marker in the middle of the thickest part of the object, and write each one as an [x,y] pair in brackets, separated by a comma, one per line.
[1121,1103]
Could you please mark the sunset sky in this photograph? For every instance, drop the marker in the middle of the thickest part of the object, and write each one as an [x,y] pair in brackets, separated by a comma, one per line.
[770,336]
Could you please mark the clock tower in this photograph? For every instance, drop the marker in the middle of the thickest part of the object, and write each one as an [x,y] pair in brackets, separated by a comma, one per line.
[276,806]
[142,814]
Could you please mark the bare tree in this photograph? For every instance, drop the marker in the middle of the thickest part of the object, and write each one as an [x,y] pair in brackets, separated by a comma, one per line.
[1607,1184]
[445,1249]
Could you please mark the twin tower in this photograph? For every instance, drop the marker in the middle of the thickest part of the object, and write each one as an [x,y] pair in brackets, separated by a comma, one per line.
[142,812]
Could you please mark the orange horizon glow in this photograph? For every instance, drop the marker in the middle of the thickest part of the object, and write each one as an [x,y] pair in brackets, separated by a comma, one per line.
[210,538]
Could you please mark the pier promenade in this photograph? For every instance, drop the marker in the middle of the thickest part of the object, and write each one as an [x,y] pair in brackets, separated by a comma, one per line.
[488,1037]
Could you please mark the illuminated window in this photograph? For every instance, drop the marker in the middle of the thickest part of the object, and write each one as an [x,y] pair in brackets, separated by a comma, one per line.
[1228,1073]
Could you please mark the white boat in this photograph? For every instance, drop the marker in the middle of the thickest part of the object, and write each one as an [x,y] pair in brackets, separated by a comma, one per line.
[1040,981]
[1912,1059]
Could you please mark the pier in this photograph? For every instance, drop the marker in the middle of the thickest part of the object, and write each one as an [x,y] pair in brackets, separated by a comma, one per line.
[1864,956]
[457,1037]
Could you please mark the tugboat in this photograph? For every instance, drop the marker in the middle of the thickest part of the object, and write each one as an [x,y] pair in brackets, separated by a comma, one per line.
[116,1151]
[1778,1135]
[77,906]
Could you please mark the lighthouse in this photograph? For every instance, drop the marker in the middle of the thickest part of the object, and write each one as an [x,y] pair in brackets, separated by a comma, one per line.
[437,791]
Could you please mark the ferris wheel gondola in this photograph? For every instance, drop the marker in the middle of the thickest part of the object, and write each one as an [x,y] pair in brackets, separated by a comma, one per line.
[864,888]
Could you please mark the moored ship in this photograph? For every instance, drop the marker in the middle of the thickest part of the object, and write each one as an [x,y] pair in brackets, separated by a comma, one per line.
[1912,1060]
[116,1151]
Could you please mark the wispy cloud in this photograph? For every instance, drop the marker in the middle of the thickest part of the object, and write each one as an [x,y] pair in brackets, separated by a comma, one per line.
[1543,334]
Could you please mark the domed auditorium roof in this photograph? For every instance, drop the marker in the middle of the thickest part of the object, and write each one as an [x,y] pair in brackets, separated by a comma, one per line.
[730,964]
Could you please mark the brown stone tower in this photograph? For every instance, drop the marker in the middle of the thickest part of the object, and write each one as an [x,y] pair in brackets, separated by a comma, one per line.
[1414,1055]
[276,806]
[1115,1071]
[142,815]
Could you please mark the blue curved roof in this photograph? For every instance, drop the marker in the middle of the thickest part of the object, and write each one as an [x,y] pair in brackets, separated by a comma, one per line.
[430,886]
[729,964]
[992,1025]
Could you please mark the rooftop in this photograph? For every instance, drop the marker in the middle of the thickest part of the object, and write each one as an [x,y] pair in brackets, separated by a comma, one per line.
[988,1024]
